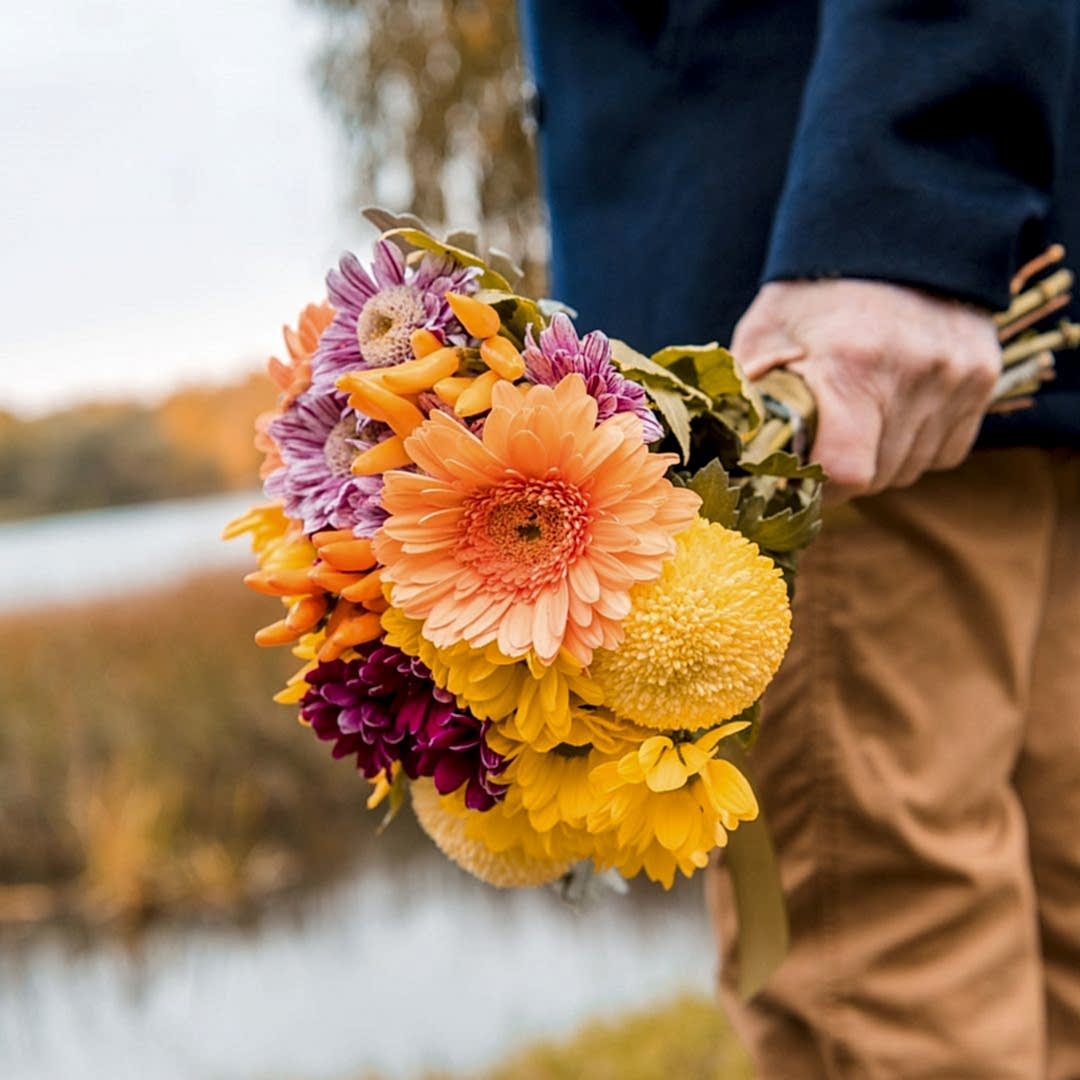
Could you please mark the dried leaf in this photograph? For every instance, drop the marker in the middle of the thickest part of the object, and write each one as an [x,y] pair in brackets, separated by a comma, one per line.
[424,241]
[714,371]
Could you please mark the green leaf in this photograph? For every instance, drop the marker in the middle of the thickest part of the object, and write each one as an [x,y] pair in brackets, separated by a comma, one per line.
[781,463]
[395,800]
[714,371]
[719,500]
[789,530]
[752,716]
[628,359]
[424,241]
[650,374]
[764,933]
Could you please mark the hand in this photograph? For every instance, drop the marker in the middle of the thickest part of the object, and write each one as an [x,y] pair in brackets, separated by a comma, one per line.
[902,379]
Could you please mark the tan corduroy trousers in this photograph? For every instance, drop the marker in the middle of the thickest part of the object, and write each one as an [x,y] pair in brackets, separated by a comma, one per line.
[919,763]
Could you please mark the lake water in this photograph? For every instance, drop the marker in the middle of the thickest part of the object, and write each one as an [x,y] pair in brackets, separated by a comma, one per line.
[395,970]
[97,552]
[408,965]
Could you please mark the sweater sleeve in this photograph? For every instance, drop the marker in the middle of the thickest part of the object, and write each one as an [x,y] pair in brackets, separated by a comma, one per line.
[928,143]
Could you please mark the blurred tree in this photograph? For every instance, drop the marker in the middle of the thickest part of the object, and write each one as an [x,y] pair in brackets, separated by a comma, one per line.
[431,95]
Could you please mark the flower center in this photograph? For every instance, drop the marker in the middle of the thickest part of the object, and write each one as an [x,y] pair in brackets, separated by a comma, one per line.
[568,750]
[520,536]
[385,323]
[340,447]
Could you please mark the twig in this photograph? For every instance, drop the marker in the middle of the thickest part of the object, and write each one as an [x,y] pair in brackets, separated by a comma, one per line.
[1025,377]
[1057,283]
[1005,333]
[1053,254]
[1066,336]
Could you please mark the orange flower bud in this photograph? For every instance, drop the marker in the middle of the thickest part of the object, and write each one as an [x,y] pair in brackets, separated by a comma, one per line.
[355,631]
[351,556]
[479,319]
[477,398]
[331,536]
[500,355]
[305,613]
[449,390]
[278,633]
[365,589]
[331,580]
[281,582]
[388,454]
[412,376]
[424,342]
[376,401]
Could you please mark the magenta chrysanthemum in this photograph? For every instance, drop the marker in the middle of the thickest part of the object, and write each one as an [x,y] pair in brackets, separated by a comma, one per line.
[561,352]
[384,708]
[318,436]
[376,313]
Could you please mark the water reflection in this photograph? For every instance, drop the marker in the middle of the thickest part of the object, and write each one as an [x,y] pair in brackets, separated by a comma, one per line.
[401,968]
[96,552]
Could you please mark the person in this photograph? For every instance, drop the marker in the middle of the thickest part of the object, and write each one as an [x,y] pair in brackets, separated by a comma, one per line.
[845,188]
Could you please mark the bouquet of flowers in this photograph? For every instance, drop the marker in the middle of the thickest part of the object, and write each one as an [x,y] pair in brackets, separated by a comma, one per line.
[539,581]
[536,579]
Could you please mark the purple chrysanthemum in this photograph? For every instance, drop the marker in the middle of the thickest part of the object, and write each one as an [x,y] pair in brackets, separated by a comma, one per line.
[384,708]
[318,436]
[376,313]
[561,352]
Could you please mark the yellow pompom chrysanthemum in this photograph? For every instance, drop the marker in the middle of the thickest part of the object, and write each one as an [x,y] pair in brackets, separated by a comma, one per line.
[704,640]
[667,805]
[507,858]
[533,700]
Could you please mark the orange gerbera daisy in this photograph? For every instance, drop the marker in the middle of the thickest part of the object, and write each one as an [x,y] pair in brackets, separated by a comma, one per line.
[533,534]
[291,377]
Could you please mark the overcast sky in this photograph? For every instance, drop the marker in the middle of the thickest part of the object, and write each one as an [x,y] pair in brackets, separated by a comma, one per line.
[171,191]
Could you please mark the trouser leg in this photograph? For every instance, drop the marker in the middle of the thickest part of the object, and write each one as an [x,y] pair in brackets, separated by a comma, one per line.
[885,766]
[1048,779]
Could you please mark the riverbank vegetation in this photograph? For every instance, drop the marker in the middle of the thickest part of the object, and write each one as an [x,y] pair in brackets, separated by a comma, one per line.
[196,442]
[144,769]
[687,1037]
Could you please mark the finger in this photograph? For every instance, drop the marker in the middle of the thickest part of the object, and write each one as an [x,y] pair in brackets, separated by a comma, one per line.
[917,458]
[848,436]
[957,446]
[967,410]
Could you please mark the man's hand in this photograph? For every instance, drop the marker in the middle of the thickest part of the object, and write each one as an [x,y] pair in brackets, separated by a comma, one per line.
[901,378]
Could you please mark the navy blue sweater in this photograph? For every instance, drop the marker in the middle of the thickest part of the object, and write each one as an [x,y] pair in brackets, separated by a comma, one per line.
[694,149]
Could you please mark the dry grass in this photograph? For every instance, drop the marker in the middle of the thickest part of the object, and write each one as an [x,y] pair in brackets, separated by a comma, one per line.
[144,768]
[686,1038]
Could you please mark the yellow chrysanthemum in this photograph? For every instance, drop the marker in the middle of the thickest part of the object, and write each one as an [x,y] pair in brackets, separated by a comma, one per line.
[703,641]
[502,855]
[532,700]
[552,782]
[307,648]
[267,525]
[667,804]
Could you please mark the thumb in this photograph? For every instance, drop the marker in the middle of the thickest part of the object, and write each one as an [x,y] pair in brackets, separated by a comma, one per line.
[759,346]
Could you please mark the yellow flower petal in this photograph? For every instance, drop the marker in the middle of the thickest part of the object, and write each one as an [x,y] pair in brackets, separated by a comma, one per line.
[668,773]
